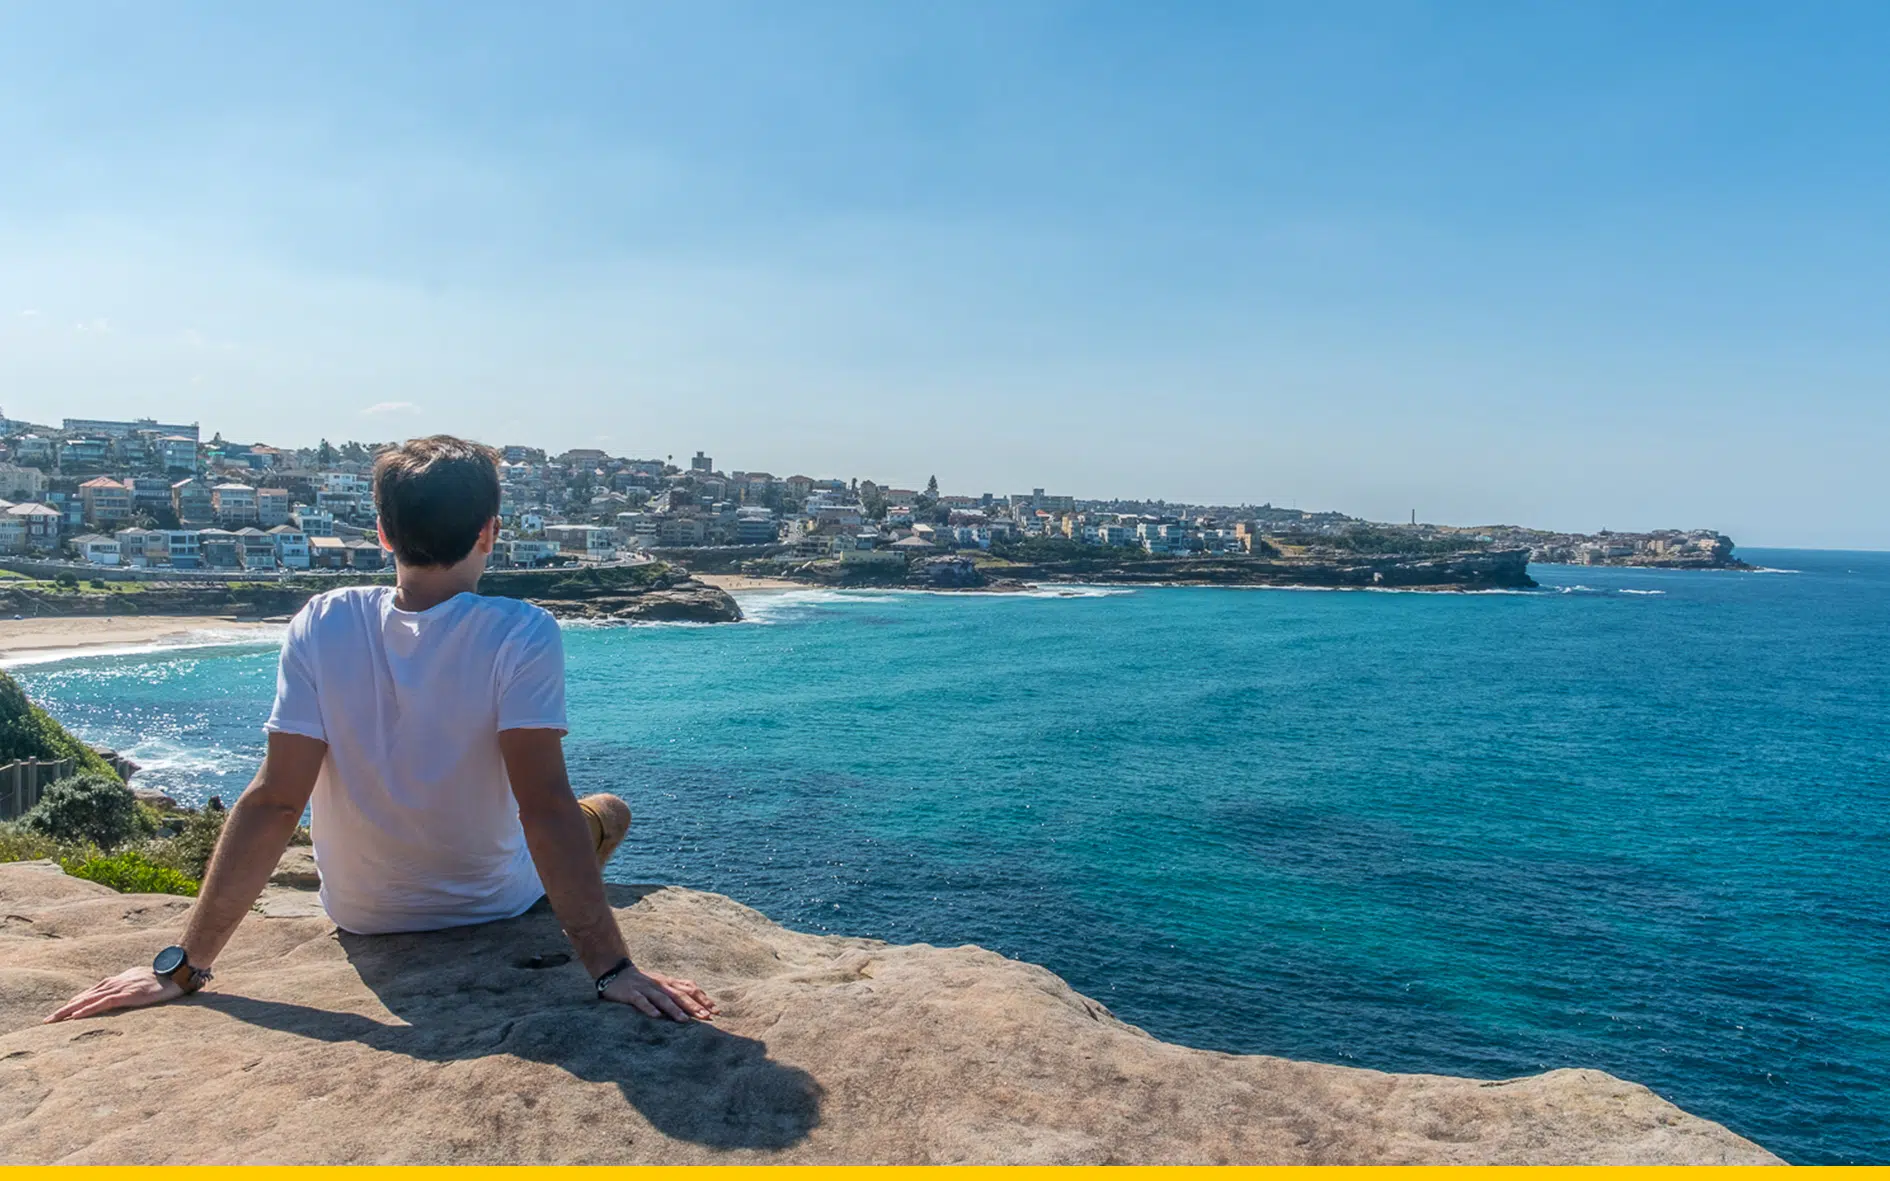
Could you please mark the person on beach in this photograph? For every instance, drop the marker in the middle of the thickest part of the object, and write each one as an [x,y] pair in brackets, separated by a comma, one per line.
[426,722]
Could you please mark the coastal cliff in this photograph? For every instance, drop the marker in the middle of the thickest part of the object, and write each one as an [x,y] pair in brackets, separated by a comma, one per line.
[1481,569]
[479,1046]
[1468,570]
[651,592]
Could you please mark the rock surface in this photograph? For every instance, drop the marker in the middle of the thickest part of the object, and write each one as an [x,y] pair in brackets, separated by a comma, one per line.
[1471,570]
[315,1047]
[688,602]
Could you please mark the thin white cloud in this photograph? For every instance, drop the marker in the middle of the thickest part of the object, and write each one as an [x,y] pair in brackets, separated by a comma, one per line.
[29,311]
[384,409]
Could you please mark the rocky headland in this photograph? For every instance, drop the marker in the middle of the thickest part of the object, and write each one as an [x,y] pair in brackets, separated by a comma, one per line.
[481,1046]
[1467,570]
[648,592]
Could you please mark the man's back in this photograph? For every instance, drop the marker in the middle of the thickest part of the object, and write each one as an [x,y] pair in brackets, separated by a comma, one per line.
[415,825]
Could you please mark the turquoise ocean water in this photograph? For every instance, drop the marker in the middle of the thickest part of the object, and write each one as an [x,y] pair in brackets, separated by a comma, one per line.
[1637,820]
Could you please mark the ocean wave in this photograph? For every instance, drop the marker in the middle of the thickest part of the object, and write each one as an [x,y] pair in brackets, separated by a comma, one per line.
[1628,590]
[1771,570]
[769,607]
[1074,590]
[172,761]
[626,624]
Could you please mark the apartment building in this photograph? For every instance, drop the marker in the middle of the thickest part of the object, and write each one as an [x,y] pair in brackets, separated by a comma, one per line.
[191,502]
[234,504]
[272,507]
[107,502]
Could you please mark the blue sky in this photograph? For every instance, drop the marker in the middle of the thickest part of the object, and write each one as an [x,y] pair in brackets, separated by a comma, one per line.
[1578,265]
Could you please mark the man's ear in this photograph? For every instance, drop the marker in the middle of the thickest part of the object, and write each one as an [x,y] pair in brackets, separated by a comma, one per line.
[489,536]
[380,531]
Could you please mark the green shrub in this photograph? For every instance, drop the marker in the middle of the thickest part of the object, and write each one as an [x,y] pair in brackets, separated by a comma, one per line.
[66,578]
[86,807]
[29,732]
[151,822]
[131,873]
[189,851]
[20,843]
[98,584]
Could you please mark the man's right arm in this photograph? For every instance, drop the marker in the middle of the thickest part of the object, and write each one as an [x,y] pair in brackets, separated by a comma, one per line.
[252,841]
[566,859]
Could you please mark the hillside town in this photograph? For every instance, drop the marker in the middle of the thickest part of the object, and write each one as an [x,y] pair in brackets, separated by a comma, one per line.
[145,494]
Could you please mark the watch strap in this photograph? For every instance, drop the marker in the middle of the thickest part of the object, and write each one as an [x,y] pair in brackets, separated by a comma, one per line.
[608,978]
[188,976]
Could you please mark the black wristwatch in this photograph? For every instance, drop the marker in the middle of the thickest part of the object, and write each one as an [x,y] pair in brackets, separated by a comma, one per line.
[608,978]
[173,963]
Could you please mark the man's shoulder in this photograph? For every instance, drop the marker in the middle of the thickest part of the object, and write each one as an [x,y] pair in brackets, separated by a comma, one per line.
[517,616]
[342,600]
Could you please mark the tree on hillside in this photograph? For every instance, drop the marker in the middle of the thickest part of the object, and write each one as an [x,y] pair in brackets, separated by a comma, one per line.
[931,488]
[325,455]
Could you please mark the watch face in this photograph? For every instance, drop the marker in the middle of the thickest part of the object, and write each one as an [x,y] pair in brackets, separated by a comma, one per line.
[168,961]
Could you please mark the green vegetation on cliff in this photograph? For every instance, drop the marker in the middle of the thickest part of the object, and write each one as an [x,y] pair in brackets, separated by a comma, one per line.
[90,822]
[29,732]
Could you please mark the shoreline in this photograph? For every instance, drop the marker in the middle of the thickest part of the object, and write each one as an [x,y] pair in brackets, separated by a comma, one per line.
[749,582]
[51,636]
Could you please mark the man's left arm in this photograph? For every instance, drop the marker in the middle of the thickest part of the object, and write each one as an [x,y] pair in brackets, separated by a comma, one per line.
[247,852]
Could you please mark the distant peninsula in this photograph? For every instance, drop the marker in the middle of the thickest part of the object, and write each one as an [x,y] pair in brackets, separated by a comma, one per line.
[642,592]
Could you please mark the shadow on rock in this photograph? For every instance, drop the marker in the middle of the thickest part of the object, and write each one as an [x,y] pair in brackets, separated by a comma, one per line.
[473,992]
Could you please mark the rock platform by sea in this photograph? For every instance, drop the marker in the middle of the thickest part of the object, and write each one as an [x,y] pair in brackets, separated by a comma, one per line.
[482,1046]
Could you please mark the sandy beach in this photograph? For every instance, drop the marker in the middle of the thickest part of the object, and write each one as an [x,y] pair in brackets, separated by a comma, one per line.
[743,582]
[20,637]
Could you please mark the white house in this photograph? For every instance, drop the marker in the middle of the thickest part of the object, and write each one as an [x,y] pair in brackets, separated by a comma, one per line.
[97,549]
[291,547]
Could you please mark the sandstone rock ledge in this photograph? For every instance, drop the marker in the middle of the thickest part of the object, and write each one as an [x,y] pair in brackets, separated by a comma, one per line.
[315,1047]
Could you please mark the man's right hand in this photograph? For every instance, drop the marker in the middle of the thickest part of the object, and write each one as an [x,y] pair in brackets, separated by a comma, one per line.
[656,995]
[132,988]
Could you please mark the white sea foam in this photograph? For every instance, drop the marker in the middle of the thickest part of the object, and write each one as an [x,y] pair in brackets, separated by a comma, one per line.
[1628,590]
[174,761]
[1074,590]
[772,606]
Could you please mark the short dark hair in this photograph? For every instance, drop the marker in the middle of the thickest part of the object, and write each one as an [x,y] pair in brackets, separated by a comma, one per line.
[434,496]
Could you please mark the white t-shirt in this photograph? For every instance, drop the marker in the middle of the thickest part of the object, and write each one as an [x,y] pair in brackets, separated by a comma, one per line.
[414,821]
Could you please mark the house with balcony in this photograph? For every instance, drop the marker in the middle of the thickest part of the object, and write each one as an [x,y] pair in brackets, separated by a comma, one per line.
[182,547]
[141,547]
[33,450]
[83,454]
[150,495]
[178,453]
[191,502]
[291,547]
[21,483]
[42,524]
[272,507]
[526,551]
[327,553]
[234,504]
[593,543]
[256,549]
[107,502]
[312,522]
[367,555]
[219,549]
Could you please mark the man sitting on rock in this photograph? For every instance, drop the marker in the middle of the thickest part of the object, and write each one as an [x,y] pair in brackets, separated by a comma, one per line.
[427,723]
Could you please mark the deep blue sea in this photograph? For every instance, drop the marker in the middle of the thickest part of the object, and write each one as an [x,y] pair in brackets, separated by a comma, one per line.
[1637,820]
